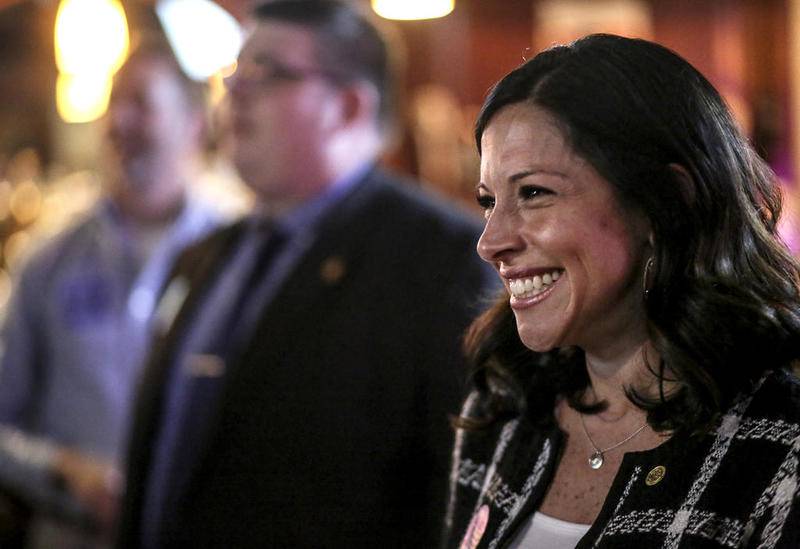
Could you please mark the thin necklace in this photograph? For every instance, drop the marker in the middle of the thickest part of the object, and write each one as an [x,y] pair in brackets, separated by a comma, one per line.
[596,458]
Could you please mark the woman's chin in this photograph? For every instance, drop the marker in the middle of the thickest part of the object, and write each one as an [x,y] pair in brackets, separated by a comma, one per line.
[538,341]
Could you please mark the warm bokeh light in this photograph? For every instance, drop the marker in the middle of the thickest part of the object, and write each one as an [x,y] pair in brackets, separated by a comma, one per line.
[5,288]
[15,247]
[65,200]
[216,88]
[227,72]
[5,199]
[91,41]
[82,97]
[204,37]
[216,84]
[91,36]
[26,202]
[412,9]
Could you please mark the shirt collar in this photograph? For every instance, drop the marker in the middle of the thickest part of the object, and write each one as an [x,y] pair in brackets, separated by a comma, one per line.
[306,215]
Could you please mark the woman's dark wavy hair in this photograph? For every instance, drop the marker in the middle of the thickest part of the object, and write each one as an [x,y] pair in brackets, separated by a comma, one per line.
[724,305]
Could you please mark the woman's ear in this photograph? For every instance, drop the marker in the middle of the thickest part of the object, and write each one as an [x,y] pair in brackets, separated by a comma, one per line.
[685,182]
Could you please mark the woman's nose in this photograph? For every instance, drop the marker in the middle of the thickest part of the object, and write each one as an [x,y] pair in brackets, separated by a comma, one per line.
[499,239]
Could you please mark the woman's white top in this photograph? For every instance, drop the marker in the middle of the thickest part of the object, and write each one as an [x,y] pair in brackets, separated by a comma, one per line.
[544,532]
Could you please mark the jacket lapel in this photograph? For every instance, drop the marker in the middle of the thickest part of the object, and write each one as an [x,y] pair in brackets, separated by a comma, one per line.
[322,270]
[515,482]
[195,269]
[329,261]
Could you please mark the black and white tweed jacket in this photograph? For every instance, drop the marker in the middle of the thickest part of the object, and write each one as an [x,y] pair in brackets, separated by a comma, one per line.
[735,487]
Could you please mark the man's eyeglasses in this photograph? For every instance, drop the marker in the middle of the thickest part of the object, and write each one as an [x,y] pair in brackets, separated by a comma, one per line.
[265,72]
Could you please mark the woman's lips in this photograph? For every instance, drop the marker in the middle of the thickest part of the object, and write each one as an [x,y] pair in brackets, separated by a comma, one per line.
[529,290]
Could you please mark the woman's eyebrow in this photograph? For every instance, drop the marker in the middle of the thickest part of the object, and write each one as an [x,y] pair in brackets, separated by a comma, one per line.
[535,171]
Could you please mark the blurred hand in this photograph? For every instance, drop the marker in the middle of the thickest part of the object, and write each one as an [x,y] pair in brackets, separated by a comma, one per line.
[95,483]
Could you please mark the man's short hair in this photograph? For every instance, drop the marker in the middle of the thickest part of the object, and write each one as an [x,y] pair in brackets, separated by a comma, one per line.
[349,45]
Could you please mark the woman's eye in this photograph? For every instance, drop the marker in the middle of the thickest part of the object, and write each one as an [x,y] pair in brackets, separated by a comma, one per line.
[485,201]
[528,192]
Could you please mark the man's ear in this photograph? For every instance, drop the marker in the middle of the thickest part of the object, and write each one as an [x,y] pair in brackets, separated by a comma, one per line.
[360,103]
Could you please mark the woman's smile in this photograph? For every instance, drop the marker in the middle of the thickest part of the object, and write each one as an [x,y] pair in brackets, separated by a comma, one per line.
[533,288]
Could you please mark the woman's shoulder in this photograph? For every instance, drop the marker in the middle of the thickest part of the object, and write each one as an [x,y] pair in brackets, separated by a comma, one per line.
[480,442]
[477,436]
[763,420]
[774,398]
[473,426]
[748,474]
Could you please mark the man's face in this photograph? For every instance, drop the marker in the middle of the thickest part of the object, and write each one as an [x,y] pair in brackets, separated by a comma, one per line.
[284,113]
[151,128]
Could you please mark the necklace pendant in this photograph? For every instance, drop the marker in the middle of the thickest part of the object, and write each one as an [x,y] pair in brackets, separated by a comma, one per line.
[596,460]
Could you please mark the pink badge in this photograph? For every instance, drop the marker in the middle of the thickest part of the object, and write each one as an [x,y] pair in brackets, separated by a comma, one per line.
[477,527]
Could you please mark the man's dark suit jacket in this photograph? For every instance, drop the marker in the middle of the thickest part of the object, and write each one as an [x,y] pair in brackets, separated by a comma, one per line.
[333,425]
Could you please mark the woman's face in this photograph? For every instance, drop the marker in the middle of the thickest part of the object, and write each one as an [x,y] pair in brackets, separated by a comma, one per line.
[570,256]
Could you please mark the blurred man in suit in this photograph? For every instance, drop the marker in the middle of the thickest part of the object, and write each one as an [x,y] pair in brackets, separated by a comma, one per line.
[299,396]
[80,319]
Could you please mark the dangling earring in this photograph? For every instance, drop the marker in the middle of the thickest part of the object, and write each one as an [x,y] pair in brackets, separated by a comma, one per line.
[648,267]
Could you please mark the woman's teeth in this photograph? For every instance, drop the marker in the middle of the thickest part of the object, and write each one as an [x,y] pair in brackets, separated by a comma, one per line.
[529,287]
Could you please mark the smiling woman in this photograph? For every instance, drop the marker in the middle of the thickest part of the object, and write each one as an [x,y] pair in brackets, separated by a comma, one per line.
[549,213]
[650,309]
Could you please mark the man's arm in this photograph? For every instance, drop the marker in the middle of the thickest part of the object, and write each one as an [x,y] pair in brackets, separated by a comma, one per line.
[49,478]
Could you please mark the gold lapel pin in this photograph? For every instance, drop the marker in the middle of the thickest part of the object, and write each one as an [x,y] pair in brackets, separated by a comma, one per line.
[655,475]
